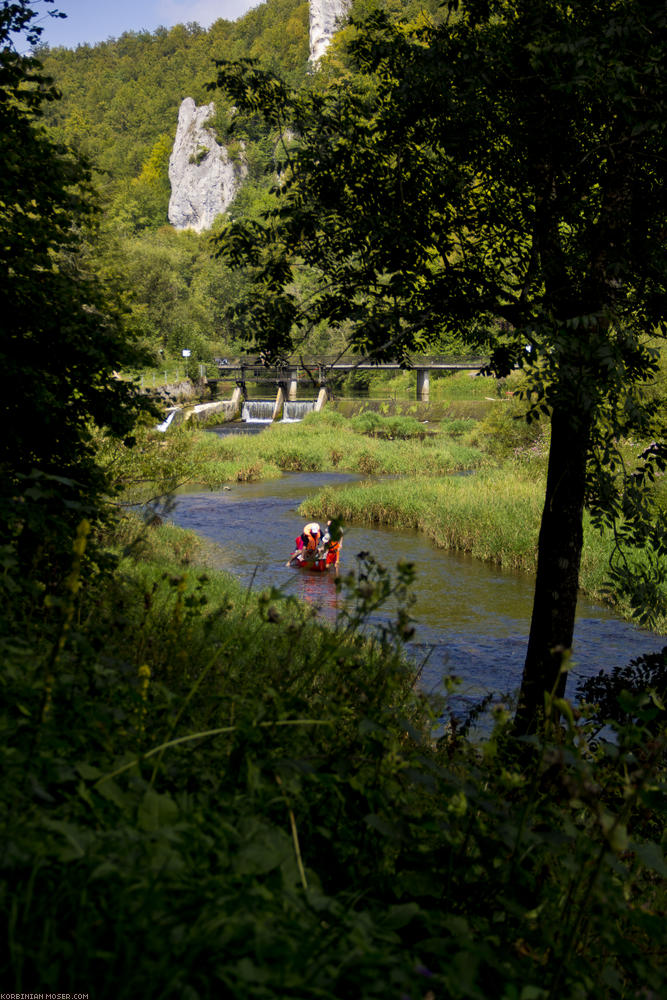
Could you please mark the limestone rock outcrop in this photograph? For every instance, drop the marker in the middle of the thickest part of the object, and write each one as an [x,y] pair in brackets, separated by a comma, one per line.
[325,17]
[204,180]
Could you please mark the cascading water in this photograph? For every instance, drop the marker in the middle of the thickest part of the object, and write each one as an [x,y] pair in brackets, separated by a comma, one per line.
[258,411]
[165,423]
[297,409]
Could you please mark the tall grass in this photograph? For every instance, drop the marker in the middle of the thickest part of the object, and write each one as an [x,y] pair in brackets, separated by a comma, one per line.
[323,441]
[227,798]
[494,515]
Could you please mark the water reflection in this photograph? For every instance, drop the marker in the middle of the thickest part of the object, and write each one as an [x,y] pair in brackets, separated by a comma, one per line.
[472,619]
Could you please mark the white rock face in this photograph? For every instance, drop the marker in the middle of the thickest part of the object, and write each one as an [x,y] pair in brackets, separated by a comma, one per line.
[325,16]
[204,181]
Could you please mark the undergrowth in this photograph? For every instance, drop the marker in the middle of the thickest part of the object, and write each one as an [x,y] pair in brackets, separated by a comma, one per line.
[207,792]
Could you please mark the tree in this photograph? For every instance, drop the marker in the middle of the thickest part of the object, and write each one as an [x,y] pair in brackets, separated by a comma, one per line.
[502,173]
[62,330]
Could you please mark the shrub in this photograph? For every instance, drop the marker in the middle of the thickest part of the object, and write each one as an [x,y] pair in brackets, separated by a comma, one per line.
[624,695]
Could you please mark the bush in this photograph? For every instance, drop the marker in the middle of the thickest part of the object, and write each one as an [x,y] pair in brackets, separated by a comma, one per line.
[630,694]
[206,793]
[505,431]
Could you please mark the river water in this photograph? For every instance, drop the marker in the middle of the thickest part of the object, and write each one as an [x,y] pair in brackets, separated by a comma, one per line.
[471,618]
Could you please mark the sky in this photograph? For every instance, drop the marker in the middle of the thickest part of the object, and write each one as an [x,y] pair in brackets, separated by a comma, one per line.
[97,20]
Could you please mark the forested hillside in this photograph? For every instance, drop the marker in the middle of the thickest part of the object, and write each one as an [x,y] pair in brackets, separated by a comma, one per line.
[120,98]
[119,108]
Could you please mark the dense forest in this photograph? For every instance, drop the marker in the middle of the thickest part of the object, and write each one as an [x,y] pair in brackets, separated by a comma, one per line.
[119,108]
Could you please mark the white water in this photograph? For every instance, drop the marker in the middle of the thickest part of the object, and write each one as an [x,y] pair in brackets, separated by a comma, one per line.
[297,410]
[165,423]
[258,411]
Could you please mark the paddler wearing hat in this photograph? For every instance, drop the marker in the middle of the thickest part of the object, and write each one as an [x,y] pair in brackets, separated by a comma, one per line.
[306,543]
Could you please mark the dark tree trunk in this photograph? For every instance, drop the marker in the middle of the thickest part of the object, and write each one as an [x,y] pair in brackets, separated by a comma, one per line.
[558,560]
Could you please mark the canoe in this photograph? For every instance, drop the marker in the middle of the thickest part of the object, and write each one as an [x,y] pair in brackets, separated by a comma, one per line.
[314,565]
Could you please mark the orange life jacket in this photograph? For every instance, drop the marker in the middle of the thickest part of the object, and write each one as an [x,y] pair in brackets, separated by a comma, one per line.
[333,553]
[312,542]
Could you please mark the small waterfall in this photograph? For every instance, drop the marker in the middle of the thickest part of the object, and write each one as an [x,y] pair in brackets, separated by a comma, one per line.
[258,411]
[165,423]
[297,410]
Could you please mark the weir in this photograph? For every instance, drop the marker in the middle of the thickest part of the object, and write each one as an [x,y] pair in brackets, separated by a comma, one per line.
[297,409]
[258,411]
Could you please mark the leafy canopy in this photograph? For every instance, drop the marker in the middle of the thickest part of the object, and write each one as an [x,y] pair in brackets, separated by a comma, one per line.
[501,175]
[62,331]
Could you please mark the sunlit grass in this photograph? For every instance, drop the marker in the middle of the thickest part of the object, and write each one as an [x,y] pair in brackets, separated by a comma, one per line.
[324,442]
[493,515]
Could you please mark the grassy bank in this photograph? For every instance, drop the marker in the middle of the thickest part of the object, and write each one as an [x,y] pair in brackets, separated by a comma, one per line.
[206,793]
[327,441]
[494,515]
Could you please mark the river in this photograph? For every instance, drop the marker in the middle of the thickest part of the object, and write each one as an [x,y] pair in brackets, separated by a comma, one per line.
[471,618]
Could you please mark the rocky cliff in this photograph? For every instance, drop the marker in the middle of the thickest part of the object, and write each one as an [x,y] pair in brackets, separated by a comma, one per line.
[325,16]
[204,180]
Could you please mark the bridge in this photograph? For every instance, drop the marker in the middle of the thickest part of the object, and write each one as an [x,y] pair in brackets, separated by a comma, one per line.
[318,370]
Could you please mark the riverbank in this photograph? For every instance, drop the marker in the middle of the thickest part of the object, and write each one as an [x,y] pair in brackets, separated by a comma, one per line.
[493,513]
[215,793]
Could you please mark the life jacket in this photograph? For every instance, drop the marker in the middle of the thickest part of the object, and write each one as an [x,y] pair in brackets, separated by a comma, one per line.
[312,542]
[333,552]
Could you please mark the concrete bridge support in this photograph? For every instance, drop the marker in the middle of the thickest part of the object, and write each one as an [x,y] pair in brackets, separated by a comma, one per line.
[292,386]
[237,402]
[423,385]
[279,404]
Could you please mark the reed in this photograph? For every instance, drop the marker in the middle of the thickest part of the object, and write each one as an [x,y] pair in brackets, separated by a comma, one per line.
[322,442]
[493,515]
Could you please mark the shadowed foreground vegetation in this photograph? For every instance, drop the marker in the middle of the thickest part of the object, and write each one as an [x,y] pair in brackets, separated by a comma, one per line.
[207,792]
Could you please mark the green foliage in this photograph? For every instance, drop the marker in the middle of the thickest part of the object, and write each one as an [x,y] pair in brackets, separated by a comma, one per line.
[390,428]
[505,432]
[220,794]
[632,695]
[62,327]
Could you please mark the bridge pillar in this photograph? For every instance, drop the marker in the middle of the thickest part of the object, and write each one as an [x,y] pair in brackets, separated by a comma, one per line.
[423,385]
[292,385]
[322,397]
[237,402]
[279,404]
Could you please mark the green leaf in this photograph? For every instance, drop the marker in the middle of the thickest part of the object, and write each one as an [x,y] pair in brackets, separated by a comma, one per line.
[156,811]
[401,914]
[651,856]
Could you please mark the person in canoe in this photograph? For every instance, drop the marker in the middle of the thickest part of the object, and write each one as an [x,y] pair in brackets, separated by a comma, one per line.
[306,545]
[315,549]
[332,545]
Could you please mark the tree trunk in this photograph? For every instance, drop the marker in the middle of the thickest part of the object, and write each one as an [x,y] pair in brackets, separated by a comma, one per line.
[558,560]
